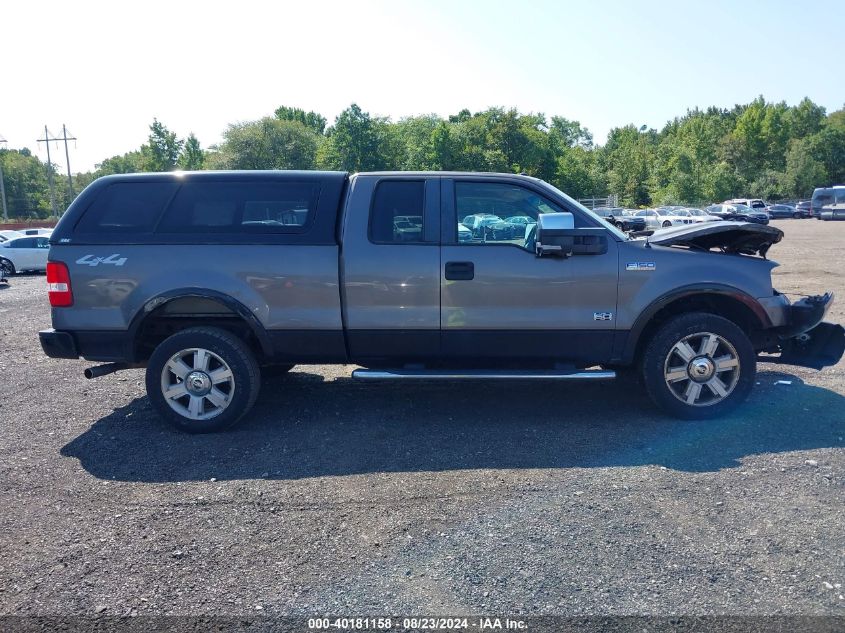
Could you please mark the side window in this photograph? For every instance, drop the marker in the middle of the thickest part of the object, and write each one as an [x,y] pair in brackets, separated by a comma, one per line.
[240,207]
[127,207]
[26,242]
[396,216]
[42,242]
[499,213]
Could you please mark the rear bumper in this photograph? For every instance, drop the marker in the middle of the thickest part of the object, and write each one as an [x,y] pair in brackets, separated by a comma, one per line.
[58,344]
[99,345]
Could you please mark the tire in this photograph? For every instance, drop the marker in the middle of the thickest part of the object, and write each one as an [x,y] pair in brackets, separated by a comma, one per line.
[8,268]
[666,224]
[796,216]
[729,367]
[215,400]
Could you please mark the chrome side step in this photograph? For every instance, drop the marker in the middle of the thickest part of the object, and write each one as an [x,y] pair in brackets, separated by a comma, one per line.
[451,374]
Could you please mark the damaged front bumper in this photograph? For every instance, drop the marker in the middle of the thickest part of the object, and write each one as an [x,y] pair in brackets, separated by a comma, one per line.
[804,339]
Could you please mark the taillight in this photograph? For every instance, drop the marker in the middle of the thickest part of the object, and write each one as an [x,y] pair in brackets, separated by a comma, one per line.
[58,285]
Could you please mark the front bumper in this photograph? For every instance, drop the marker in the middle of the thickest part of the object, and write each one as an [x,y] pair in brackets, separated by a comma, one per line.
[804,339]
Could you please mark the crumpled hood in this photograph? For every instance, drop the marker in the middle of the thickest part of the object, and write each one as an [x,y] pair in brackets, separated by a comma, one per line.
[730,237]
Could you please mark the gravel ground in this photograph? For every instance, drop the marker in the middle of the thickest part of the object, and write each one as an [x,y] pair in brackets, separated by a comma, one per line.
[424,499]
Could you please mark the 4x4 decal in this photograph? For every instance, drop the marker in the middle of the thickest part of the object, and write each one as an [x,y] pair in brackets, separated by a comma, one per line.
[91,260]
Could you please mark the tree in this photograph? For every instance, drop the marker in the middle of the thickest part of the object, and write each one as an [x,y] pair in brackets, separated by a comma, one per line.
[267,144]
[310,120]
[356,142]
[192,157]
[161,153]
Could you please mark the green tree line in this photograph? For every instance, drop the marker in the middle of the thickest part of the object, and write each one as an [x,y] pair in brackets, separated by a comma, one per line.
[760,149]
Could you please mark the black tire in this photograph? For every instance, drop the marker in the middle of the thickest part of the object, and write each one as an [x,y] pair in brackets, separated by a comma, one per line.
[8,268]
[666,224]
[659,356]
[244,382]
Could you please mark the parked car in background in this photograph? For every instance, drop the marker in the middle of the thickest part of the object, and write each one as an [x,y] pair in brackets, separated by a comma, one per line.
[464,234]
[36,231]
[621,218]
[702,215]
[662,218]
[825,196]
[833,212]
[520,224]
[755,203]
[782,211]
[804,210]
[738,213]
[7,235]
[489,226]
[24,253]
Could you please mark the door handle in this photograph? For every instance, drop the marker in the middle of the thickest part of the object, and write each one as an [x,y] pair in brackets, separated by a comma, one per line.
[460,271]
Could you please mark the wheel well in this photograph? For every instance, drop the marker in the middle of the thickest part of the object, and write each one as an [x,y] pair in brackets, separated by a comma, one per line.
[186,312]
[718,304]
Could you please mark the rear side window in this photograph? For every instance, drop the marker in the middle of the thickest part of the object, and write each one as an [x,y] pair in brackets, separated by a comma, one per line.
[241,207]
[397,213]
[127,207]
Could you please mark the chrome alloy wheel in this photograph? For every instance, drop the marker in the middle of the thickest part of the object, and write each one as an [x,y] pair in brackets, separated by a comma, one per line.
[197,384]
[701,369]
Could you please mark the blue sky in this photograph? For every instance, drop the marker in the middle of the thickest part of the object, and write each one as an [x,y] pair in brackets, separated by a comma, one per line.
[113,66]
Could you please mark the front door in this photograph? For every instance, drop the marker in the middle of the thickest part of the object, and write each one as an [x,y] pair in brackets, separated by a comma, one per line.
[499,302]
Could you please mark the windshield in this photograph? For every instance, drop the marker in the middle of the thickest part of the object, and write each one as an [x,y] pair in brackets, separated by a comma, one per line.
[599,220]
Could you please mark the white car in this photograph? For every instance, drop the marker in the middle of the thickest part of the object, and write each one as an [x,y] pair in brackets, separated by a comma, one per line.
[24,253]
[7,235]
[697,215]
[37,231]
[663,218]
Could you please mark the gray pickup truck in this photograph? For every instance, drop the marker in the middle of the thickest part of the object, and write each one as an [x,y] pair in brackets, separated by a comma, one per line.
[208,278]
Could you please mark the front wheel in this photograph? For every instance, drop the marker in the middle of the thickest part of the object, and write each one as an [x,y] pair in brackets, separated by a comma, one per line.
[666,224]
[202,379]
[699,366]
[7,268]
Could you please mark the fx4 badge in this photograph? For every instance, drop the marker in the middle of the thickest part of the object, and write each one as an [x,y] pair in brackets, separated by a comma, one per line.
[90,260]
[647,266]
[602,316]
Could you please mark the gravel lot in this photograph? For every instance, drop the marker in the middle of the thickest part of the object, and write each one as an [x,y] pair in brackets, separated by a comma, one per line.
[424,499]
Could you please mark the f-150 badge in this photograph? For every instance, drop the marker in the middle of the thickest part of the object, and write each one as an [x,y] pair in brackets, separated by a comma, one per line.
[647,266]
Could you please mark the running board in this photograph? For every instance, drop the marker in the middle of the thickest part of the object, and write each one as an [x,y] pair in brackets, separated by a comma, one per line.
[445,374]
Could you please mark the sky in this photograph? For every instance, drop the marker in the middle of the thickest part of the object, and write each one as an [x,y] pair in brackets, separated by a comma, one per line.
[105,69]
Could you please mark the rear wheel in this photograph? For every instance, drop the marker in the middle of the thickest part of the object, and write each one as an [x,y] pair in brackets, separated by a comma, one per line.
[202,380]
[666,224]
[699,366]
[7,268]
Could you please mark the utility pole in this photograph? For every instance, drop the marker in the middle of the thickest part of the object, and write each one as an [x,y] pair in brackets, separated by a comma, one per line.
[3,186]
[47,140]
[67,138]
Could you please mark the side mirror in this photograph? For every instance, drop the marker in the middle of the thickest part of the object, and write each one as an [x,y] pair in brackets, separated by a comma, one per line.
[554,234]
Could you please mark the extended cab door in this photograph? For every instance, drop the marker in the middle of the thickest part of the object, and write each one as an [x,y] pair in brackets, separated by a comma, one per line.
[390,269]
[501,302]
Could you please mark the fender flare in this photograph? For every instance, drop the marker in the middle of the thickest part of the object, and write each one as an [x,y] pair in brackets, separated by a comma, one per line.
[204,293]
[704,290]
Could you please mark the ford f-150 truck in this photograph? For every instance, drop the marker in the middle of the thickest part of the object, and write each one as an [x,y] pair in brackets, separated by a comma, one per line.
[207,278]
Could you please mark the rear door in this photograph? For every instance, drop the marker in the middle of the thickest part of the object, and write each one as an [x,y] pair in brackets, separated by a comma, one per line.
[390,265]
[499,302]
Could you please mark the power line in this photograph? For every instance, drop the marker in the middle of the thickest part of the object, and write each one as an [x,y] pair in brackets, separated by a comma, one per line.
[3,141]
[46,141]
